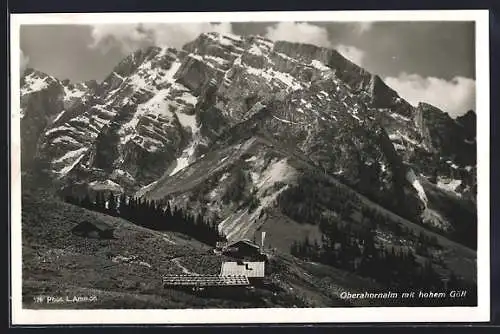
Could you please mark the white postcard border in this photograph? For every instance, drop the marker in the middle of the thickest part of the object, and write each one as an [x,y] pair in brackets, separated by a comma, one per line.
[22,316]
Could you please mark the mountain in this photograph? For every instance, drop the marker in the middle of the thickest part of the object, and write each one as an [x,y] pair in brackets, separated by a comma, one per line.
[260,135]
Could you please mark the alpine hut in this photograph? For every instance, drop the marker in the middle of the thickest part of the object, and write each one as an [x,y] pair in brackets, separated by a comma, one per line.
[243,249]
[93,230]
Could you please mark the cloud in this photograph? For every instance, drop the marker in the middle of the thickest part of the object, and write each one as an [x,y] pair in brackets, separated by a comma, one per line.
[131,37]
[299,33]
[23,61]
[125,36]
[176,35]
[351,52]
[312,34]
[455,96]
[362,27]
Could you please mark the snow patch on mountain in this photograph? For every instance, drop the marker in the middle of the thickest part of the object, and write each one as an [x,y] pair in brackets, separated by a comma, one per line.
[255,50]
[148,77]
[271,75]
[188,121]
[122,174]
[252,158]
[106,185]
[181,162]
[319,65]
[34,83]
[226,39]
[59,128]
[170,74]
[278,171]
[71,159]
[156,105]
[433,218]
[399,117]
[145,189]
[73,93]
[233,224]
[185,159]
[470,142]
[285,121]
[264,175]
[65,139]
[188,98]
[450,185]
[59,116]
[452,164]
[71,154]
[412,178]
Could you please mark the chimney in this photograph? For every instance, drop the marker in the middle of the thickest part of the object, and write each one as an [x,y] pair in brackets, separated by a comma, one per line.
[262,241]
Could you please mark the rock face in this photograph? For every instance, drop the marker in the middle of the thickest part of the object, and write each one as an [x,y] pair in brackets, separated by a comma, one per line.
[165,115]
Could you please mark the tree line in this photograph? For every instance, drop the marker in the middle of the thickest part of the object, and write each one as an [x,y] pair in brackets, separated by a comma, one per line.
[156,215]
[306,202]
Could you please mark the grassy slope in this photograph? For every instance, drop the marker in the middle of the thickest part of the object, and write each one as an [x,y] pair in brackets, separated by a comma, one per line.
[55,262]
[58,263]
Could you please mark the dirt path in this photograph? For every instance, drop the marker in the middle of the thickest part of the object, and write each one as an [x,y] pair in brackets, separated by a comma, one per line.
[184,269]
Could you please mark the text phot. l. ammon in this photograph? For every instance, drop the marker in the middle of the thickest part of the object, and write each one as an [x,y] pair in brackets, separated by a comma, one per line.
[248,165]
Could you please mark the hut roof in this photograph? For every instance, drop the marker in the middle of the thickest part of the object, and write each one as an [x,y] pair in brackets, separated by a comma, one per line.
[244,241]
[249,269]
[205,280]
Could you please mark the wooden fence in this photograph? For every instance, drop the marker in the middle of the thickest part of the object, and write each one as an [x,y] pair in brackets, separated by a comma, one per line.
[205,280]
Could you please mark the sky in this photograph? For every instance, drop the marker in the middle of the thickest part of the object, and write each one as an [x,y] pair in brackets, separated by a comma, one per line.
[429,62]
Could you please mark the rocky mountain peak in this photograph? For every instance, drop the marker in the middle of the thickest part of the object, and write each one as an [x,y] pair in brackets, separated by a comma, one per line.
[468,122]
[33,81]
[162,111]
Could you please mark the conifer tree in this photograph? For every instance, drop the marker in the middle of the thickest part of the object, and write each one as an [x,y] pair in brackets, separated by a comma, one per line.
[111,204]
[100,201]
[86,202]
